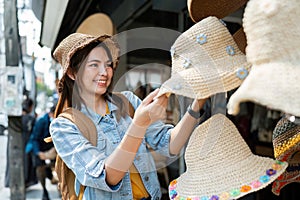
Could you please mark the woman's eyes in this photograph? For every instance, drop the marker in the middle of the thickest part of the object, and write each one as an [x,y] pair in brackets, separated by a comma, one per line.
[94,65]
[108,65]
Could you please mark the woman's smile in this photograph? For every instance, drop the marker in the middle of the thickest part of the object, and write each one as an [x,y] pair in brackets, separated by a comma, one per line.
[101,82]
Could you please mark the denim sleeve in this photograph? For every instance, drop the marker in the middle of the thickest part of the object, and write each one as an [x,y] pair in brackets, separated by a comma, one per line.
[158,138]
[85,160]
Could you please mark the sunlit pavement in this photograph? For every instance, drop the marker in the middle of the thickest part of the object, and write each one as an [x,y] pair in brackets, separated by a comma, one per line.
[33,192]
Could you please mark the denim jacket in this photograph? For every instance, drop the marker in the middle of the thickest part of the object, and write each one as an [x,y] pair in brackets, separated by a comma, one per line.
[87,161]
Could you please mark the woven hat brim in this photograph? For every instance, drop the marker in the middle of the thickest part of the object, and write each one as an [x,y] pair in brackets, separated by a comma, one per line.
[275,85]
[286,139]
[216,165]
[200,9]
[219,180]
[286,144]
[205,80]
[292,173]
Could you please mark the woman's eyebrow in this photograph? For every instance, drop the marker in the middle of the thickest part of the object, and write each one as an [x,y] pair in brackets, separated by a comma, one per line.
[94,60]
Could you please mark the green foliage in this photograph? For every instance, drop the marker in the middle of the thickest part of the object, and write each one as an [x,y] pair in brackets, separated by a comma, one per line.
[41,87]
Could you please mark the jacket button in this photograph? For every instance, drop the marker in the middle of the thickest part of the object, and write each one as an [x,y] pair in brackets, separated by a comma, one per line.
[147,178]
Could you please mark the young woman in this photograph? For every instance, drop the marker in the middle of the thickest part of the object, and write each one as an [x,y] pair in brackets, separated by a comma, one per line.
[120,166]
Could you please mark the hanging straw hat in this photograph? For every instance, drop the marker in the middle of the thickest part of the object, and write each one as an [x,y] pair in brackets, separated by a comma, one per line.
[97,24]
[220,165]
[272,29]
[286,143]
[205,61]
[76,41]
[200,9]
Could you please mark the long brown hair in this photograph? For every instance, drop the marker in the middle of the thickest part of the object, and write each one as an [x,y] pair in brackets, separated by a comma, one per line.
[68,89]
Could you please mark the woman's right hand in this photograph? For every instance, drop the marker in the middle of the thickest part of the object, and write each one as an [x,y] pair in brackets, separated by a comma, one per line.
[151,109]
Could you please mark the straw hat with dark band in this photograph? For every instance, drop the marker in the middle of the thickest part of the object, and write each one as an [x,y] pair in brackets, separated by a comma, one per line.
[200,9]
[205,61]
[286,143]
[272,29]
[76,41]
[220,165]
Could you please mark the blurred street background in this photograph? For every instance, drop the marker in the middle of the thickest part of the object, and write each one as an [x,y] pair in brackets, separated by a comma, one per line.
[33,192]
[30,30]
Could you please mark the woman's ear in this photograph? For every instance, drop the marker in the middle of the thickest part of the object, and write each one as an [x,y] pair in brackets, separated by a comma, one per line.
[71,75]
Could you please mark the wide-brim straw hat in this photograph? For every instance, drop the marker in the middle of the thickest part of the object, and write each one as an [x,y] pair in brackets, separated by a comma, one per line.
[97,24]
[220,165]
[77,41]
[205,61]
[272,30]
[200,9]
[286,144]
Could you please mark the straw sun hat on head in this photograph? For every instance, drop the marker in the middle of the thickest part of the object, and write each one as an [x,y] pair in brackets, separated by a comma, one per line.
[286,143]
[76,41]
[200,9]
[272,29]
[205,61]
[220,165]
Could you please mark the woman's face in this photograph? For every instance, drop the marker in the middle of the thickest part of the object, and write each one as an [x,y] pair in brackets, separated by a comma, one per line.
[97,72]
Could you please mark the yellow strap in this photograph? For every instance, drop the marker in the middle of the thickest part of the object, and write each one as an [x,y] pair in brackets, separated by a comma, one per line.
[81,191]
[106,109]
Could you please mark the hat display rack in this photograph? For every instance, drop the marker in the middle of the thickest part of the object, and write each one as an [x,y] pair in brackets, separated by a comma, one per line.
[208,155]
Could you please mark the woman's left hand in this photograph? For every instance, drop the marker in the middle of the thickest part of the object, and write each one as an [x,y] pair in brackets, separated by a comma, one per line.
[198,104]
[152,108]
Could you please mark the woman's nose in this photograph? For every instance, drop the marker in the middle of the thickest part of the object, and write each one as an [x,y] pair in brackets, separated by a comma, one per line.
[102,70]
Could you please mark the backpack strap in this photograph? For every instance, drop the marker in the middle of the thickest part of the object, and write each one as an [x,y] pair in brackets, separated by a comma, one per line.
[89,131]
[83,122]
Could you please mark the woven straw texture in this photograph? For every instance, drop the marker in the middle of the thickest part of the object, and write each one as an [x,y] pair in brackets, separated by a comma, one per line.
[97,24]
[272,30]
[228,169]
[286,136]
[200,9]
[68,47]
[286,143]
[201,63]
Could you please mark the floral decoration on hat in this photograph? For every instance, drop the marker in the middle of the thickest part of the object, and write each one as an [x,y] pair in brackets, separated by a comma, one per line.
[205,61]
[226,170]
